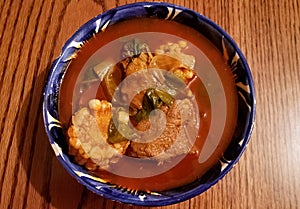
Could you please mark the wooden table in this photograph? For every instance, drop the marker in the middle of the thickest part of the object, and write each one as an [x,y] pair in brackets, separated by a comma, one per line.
[31,35]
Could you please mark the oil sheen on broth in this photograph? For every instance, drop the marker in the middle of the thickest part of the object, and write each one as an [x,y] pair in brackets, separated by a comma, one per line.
[121,51]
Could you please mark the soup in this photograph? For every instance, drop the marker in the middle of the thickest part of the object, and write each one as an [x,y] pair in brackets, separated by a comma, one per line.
[141,100]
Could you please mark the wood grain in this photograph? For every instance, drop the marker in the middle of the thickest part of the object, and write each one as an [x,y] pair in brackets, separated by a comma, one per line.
[31,36]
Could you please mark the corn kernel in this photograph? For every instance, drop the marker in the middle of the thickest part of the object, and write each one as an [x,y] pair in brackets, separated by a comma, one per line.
[182,43]
[123,117]
[188,74]
[94,104]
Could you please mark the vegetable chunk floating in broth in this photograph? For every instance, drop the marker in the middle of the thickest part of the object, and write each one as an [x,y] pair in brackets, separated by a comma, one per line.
[137,105]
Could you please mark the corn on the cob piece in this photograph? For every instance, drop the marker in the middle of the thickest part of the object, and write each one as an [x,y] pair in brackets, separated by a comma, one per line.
[87,137]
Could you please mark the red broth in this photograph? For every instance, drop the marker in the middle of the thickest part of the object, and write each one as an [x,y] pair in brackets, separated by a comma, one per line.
[210,67]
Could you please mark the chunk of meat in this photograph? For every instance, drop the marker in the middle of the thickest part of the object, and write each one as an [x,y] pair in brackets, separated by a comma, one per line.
[87,137]
[139,63]
[174,65]
[137,101]
[177,137]
[165,62]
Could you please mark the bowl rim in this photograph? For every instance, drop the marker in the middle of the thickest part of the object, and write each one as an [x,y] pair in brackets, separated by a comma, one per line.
[187,194]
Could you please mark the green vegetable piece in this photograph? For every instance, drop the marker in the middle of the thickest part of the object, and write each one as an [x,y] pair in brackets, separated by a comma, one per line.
[165,97]
[155,100]
[97,72]
[114,135]
[120,131]
[141,115]
[102,68]
[134,47]
[147,107]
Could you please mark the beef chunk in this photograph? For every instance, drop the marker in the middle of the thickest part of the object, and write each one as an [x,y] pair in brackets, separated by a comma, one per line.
[176,139]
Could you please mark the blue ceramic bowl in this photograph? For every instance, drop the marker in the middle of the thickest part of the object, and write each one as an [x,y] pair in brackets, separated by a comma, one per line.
[222,41]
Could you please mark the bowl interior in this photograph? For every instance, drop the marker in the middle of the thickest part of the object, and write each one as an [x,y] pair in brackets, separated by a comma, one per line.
[225,45]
